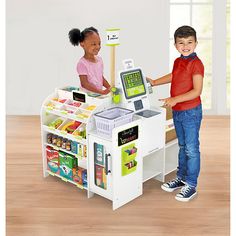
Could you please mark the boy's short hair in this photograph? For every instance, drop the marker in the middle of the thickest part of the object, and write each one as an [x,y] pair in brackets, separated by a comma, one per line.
[184,32]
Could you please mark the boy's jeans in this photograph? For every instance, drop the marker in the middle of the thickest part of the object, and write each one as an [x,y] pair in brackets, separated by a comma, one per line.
[187,125]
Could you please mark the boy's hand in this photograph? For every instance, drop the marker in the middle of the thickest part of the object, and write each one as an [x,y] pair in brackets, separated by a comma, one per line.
[169,102]
[151,81]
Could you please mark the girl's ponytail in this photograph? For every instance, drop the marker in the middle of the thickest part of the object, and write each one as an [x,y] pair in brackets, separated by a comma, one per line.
[75,36]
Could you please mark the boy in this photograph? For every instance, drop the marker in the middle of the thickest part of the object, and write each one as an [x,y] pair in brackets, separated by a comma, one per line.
[186,86]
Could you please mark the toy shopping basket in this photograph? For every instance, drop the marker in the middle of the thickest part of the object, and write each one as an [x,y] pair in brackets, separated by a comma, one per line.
[111,118]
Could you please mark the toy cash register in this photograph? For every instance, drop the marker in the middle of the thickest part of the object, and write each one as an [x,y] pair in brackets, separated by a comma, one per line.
[136,97]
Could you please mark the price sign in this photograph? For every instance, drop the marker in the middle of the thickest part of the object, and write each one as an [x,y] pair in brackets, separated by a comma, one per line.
[112,37]
[127,135]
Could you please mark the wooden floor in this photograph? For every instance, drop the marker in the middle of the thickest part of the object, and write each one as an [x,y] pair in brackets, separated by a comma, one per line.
[38,206]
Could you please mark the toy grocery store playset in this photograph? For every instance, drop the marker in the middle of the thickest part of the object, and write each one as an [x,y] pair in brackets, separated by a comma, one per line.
[103,147]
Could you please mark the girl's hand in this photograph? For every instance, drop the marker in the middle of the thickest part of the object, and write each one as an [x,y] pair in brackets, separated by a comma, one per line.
[169,102]
[151,81]
[106,91]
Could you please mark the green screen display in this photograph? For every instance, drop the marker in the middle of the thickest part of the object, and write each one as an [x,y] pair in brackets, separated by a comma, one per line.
[133,83]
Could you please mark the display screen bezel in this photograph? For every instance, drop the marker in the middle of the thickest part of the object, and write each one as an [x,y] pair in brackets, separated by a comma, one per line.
[122,75]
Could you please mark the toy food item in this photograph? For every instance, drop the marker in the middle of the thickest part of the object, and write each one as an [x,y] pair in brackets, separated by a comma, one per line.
[55,99]
[62,100]
[52,159]
[53,167]
[67,163]
[64,140]
[84,178]
[83,115]
[80,132]
[56,123]
[77,175]
[54,139]
[50,105]
[74,146]
[71,126]
[76,104]
[68,145]
[76,133]
[49,138]
[85,151]
[69,110]
[91,107]
[59,141]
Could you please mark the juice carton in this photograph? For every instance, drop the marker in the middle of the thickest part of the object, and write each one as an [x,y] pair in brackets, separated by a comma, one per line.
[74,147]
[99,177]
[77,175]
[84,178]
[80,149]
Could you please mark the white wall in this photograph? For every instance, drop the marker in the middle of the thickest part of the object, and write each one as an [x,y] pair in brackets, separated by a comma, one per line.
[39,56]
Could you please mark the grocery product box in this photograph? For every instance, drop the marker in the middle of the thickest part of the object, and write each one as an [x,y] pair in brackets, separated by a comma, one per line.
[67,163]
[52,159]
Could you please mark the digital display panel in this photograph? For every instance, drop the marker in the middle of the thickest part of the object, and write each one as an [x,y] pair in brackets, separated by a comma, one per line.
[133,83]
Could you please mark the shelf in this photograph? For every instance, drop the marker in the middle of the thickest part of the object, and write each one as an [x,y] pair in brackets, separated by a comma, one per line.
[170,171]
[82,162]
[149,175]
[171,143]
[67,115]
[64,134]
[169,129]
[171,157]
[66,180]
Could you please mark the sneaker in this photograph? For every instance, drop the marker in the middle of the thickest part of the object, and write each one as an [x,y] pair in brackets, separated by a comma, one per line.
[187,193]
[173,185]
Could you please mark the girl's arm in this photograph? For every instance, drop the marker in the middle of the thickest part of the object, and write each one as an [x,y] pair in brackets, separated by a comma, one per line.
[85,84]
[106,84]
[163,80]
[194,93]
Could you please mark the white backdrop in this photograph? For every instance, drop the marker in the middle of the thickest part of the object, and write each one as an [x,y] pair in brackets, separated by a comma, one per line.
[40,58]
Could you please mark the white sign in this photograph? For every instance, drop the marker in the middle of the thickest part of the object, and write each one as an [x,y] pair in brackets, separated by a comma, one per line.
[112,37]
[128,64]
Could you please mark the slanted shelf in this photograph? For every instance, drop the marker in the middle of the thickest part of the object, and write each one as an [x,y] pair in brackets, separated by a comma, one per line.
[67,128]
[70,109]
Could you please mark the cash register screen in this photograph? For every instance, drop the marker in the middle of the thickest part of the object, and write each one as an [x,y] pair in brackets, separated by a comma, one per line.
[133,83]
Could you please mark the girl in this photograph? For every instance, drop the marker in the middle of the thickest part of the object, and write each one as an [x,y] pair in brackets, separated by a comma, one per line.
[90,66]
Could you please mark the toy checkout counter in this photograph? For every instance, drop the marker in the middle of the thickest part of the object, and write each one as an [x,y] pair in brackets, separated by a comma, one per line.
[105,148]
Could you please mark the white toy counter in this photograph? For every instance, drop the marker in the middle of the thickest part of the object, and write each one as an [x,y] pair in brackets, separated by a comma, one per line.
[115,163]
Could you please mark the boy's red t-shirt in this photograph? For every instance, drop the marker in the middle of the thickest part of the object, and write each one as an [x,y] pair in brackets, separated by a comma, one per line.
[182,80]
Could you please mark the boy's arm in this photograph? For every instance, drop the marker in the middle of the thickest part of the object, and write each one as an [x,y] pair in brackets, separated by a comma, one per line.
[163,80]
[85,84]
[194,93]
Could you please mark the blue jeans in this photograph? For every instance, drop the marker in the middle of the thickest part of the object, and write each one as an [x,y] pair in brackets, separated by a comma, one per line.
[187,125]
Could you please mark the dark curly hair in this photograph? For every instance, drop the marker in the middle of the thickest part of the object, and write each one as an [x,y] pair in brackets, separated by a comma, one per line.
[184,32]
[76,36]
